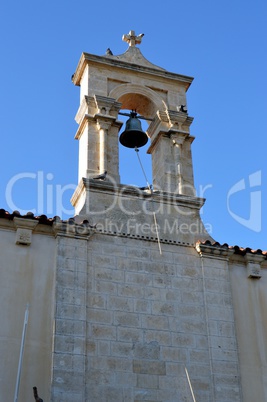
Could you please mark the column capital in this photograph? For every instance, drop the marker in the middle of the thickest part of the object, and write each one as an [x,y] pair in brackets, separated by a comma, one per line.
[104,122]
[106,105]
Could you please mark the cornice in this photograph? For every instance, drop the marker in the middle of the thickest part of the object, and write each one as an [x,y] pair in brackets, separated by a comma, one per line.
[126,190]
[91,59]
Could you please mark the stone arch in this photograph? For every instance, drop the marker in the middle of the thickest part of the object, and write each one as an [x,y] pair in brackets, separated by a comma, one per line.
[136,97]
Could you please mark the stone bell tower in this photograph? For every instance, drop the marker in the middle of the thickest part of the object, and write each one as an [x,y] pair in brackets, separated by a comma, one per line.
[138,309]
[112,83]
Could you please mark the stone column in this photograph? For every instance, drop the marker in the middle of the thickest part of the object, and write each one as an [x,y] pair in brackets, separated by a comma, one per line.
[103,134]
[169,132]
[98,136]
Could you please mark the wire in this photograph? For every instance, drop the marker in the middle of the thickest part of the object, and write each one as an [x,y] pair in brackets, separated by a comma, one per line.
[150,189]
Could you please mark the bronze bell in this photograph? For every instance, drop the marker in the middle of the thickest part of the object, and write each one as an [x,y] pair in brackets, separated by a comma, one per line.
[133,136]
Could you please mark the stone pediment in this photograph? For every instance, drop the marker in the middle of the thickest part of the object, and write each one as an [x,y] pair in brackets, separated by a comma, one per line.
[133,55]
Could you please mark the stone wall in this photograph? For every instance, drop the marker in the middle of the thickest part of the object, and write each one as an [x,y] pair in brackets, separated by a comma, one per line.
[130,321]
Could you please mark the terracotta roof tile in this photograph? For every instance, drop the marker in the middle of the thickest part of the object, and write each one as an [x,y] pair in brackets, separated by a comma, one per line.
[237,249]
[43,219]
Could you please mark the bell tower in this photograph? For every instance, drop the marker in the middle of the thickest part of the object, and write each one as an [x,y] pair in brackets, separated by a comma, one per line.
[110,84]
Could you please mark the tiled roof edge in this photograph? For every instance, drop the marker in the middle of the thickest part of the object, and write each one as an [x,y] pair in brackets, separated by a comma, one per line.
[43,219]
[236,249]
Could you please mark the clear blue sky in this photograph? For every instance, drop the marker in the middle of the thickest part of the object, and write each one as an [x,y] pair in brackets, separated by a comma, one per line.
[222,44]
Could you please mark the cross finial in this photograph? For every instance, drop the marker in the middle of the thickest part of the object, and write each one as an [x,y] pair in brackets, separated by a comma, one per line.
[132,39]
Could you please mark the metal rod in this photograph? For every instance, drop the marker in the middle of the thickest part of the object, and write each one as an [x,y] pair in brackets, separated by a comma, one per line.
[156,226]
[139,117]
[21,351]
[190,386]
[149,187]
[137,150]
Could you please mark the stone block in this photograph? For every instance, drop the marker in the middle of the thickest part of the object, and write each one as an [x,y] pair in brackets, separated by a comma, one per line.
[190,296]
[69,344]
[103,348]
[162,280]
[126,379]
[225,366]
[70,311]
[196,326]
[91,347]
[174,354]
[154,322]
[141,253]
[149,367]
[70,327]
[149,350]
[108,274]
[103,332]
[224,355]
[152,293]
[105,287]
[225,394]
[96,300]
[147,381]
[138,278]
[198,356]
[68,381]
[164,308]
[225,328]
[58,395]
[162,337]
[188,271]
[103,261]
[99,377]
[192,311]
[23,237]
[120,303]
[131,291]
[99,315]
[221,342]
[129,334]
[184,340]
[142,306]
[201,342]
[71,296]
[187,283]
[112,363]
[127,319]
[123,349]
[224,313]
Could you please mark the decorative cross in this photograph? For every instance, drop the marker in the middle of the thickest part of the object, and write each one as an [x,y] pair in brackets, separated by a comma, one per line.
[132,39]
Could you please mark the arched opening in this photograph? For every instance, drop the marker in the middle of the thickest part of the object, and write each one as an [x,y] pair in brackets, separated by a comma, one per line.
[146,103]
[130,169]
[136,169]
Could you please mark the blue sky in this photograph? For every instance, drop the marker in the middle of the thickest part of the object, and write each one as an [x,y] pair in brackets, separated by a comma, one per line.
[222,44]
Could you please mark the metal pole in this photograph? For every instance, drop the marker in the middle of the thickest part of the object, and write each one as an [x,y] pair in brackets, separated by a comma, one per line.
[190,386]
[21,351]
